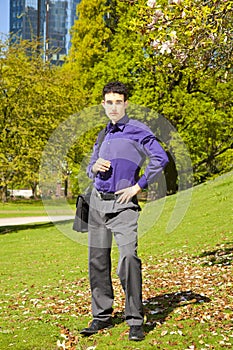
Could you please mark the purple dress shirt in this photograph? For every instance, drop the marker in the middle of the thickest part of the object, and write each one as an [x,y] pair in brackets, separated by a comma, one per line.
[127,144]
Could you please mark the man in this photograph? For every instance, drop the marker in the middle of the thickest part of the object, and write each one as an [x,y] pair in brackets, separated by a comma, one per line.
[114,167]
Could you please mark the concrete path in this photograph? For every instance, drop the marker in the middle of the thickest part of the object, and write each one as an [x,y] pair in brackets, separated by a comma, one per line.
[33,219]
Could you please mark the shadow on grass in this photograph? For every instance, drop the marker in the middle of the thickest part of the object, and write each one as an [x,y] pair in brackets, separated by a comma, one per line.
[118,318]
[158,308]
[221,255]
[15,228]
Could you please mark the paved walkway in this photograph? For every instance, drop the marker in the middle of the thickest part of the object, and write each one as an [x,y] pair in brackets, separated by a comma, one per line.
[33,219]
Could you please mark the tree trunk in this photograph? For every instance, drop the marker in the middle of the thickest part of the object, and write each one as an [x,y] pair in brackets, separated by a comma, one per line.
[33,187]
[3,192]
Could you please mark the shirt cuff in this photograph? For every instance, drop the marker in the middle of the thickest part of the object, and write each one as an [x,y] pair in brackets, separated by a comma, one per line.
[142,182]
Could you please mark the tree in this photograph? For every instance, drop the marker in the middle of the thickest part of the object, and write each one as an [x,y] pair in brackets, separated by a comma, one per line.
[176,59]
[188,75]
[90,38]
[196,33]
[34,99]
[124,57]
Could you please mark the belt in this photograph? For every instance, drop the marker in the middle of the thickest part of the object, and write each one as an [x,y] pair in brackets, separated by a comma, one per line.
[107,196]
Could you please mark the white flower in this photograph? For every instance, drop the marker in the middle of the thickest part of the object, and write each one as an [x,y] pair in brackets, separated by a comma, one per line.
[151,3]
[173,34]
[181,56]
[165,47]
[158,13]
[151,25]
[155,18]
[175,2]
[212,37]
[155,43]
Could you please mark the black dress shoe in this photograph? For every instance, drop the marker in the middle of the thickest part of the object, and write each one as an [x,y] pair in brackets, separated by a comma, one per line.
[136,333]
[96,326]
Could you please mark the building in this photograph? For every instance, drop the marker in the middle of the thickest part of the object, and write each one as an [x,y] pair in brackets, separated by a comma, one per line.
[48,20]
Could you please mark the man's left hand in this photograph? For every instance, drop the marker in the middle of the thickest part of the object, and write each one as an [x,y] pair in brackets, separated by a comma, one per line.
[128,193]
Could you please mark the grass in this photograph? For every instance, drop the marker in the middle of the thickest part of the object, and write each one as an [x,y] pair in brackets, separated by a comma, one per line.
[20,208]
[29,207]
[187,280]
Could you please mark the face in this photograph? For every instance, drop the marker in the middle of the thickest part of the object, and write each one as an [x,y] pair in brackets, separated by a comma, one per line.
[114,105]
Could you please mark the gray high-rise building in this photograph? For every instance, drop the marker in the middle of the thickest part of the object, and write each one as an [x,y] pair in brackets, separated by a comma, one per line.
[49,20]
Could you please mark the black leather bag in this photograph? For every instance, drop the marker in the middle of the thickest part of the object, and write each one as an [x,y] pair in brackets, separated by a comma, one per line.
[82,210]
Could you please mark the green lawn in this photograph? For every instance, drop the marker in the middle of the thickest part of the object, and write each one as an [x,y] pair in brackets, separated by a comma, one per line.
[187,280]
[29,207]
[21,208]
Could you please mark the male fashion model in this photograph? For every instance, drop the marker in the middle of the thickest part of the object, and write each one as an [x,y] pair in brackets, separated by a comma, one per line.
[115,169]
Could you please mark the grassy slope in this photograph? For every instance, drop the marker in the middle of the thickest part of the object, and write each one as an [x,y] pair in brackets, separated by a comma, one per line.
[208,220]
[44,283]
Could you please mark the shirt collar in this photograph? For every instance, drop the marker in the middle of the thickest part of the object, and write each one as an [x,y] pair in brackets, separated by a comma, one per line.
[120,125]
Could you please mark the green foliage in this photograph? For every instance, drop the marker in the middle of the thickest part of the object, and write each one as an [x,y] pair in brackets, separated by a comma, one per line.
[90,37]
[123,59]
[34,99]
[176,59]
[196,35]
[189,86]
[188,75]
[204,125]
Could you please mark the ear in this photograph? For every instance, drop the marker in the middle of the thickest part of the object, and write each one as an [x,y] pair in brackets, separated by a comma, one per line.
[126,104]
[103,103]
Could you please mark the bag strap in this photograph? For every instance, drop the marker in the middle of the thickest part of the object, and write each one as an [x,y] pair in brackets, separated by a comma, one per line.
[101,137]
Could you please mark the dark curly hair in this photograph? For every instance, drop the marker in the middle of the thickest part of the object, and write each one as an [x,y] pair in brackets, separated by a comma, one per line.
[116,87]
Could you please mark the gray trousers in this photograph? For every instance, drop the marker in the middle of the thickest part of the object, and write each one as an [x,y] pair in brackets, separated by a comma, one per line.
[108,218]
